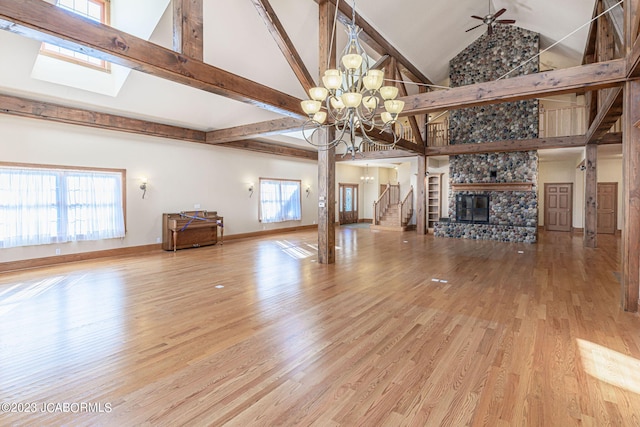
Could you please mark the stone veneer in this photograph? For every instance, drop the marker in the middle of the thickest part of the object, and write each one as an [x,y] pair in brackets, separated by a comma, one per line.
[513,215]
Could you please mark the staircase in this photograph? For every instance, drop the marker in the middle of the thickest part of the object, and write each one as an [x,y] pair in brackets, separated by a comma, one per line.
[393,215]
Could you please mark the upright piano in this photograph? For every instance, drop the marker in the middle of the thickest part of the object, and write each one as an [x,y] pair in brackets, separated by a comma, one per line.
[191,229]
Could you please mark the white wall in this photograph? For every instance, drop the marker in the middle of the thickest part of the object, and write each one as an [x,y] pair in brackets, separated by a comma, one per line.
[609,170]
[180,175]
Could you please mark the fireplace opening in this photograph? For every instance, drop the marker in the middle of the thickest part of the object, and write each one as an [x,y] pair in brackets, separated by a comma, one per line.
[472,208]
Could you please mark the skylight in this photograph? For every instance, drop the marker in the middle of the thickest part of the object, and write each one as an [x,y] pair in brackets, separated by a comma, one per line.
[96,10]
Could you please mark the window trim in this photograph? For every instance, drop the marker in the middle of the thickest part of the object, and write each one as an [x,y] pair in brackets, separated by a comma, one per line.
[296,181]
[122,172]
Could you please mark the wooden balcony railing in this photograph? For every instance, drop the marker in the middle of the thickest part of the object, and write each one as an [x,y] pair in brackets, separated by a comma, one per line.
[565,121]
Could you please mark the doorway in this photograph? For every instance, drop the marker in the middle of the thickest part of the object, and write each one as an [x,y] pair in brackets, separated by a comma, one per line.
[558,207]
[348,203]
[607,207]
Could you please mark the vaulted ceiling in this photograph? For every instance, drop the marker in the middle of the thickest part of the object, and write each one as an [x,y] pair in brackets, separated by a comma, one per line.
[236,39]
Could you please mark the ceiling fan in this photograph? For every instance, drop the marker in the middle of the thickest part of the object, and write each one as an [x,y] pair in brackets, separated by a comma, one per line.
[491,19]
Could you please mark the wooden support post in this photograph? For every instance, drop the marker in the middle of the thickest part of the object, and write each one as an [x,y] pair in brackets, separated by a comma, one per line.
[326,158]
[326,200]
[591,190]
[631,197]
[421,197]
[187,28]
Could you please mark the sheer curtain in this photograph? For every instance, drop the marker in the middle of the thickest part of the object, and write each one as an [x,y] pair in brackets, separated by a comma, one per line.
[41,206]
[280,200]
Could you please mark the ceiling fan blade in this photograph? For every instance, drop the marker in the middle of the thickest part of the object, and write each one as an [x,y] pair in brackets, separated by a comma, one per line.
[477,17]
[500,12]
[506,21]
[473,28]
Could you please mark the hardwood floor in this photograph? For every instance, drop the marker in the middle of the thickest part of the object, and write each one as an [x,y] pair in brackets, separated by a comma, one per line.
[402,330]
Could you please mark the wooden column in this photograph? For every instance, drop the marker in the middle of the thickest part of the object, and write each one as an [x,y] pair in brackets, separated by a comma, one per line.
[631,197]
[421,196]
[187,28]
[326,158]
[590,194]
[326,202]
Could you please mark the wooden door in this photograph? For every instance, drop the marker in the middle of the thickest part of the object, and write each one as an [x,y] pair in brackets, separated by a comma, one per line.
[348,203]
[558,207]
[607,205]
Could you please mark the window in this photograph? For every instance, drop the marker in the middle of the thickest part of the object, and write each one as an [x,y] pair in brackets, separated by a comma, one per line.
[41,205]
[280,200]
[96,10]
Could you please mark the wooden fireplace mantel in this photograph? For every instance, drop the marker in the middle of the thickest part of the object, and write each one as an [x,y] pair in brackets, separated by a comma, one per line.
[493,186]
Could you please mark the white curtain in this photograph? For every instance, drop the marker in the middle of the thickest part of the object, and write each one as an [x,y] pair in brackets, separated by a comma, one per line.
[280,200]
[41,206]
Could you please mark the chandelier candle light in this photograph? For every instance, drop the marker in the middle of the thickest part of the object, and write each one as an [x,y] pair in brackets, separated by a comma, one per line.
[351,96]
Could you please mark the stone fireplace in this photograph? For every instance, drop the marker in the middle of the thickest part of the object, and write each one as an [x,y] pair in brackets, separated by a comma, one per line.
[506,181]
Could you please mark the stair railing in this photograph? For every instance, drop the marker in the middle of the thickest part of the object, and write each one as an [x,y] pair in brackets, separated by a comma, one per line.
[406,208]
[390,196]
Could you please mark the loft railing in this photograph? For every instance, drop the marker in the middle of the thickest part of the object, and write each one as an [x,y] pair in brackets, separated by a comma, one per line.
[565,121]
[438,134]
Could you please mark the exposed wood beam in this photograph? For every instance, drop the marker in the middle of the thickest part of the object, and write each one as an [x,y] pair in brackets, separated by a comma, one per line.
[326,158]
[590,48]
[283,41]
[377,42]
[268,148]
[254,130]
[413,122]
[188,28]
[630,283]
[555,82]
[611,138]
[590,237]
[507,146]
[42,21]
[609,112]
[616,18]
[23,107]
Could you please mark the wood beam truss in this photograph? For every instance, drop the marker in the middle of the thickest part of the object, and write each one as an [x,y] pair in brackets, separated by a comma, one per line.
[43,21]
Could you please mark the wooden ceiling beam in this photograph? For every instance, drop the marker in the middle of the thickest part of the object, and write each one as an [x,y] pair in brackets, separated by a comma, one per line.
[188,26]
[43,21]
[283,41]
[254,130]
[555,82]
[269,148]
[23,107]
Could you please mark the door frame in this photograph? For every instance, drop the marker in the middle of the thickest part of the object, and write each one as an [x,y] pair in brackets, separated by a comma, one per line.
[546,207]
[615,204]
[341,200]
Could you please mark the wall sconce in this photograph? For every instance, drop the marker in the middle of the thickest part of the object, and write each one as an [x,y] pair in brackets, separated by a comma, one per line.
[583,168]
[250,189]
[308,190]
[143,186]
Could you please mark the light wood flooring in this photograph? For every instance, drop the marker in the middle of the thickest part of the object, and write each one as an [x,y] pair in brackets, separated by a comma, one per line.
[402,330]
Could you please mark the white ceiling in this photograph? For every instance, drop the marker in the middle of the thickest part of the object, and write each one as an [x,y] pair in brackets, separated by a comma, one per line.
[428,33]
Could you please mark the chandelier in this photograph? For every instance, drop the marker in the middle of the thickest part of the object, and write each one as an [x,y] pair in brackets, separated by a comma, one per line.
[351,96]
